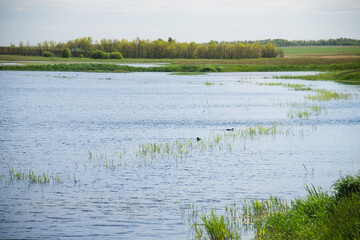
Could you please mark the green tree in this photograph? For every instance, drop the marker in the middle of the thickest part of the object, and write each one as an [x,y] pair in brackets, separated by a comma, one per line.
[66,53]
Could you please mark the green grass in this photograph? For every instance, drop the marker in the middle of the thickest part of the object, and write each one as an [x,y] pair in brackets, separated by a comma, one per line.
[33,178]
[188,73]
[305,112]
[347,77]
[209,83]
[325,95]
[102,67]
[322,50]
[320,215]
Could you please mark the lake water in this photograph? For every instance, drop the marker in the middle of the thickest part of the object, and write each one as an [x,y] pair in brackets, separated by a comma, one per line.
[70,123]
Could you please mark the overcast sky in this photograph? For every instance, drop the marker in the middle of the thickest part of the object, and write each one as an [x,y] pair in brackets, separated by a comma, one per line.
[185,20]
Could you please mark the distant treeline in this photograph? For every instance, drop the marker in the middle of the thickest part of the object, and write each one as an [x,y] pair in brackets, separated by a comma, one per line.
[139,48]
[295,43]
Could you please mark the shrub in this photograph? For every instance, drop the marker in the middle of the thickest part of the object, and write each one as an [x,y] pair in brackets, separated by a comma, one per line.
[116,55]
[48,54]
[66,53]
[81,56]
[280,52]
[98,54]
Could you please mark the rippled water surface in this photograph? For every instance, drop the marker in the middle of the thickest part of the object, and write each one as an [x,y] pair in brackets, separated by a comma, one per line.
[75,124]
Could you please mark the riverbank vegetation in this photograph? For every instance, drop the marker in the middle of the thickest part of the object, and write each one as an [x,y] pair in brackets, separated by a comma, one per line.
[141,48]
[98,67]
[348,77]
[332,214]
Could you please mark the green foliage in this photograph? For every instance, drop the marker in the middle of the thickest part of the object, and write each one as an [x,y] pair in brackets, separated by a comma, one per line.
[318,216]
[98,54]
[269,51]
[48,54]
[90,67]
[66,53]
[140,48]
[81,56]
[280,52]
[346,186]
[348,77]
[325,95]
[116,55]
[217,227]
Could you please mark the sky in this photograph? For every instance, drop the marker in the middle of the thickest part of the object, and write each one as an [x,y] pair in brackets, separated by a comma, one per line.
[200,21]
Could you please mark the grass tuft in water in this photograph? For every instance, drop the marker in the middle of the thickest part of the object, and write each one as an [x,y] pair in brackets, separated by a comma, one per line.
[188,73]
[320,215]
[33,178]
[325,95]
[306,112]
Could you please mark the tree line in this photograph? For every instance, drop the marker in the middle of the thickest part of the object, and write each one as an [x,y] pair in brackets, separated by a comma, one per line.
[323,42]
[141,48]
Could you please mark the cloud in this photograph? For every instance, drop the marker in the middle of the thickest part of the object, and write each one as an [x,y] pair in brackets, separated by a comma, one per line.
[19,9]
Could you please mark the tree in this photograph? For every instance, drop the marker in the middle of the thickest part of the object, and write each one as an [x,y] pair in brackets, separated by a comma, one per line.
[66,53]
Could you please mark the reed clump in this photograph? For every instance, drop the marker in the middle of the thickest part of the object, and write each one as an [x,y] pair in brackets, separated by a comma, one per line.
[306,112]
[326,95]
[320,215]
[31,177]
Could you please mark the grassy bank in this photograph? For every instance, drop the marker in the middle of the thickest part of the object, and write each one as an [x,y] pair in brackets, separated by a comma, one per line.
[347,77]
[320,215]
[98,67]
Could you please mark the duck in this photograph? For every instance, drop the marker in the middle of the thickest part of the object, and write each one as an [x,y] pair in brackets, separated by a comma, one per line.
[230,129]
[198,139]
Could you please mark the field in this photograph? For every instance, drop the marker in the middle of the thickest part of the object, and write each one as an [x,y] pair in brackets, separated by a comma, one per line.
[322,51]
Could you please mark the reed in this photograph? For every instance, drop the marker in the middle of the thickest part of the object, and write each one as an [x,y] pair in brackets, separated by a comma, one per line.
[319,215]
[325,95]
[33,178]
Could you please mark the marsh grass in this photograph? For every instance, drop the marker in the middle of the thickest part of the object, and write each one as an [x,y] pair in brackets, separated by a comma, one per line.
[319,215]
[209,83]
[177,150]
[188,73]
[110,67]
[296,87]
[306,112]
[31,177]
[326,95]
[346,77]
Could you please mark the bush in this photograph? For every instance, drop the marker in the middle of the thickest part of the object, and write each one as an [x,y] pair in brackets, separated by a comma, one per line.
[48,54]
[98,54]
[280,52]
[116,55]
[81,56]
[66,53]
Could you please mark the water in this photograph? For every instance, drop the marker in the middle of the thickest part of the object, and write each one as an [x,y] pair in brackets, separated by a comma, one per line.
[49,121]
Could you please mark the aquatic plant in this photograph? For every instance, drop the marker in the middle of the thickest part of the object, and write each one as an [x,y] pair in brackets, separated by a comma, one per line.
[306,111]
[326,95]
[297,87]
[188,73]
[33,178]
[320,215]
[182,149]
[209,83]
